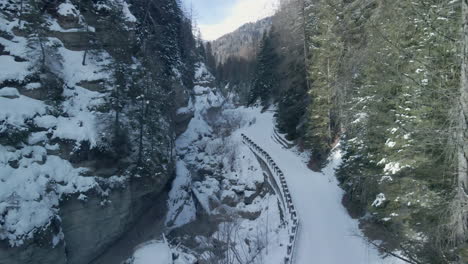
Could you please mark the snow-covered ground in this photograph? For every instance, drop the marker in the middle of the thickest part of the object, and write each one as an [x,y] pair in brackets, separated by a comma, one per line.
[328,235]
[220,174]
[159,252]
[34,178]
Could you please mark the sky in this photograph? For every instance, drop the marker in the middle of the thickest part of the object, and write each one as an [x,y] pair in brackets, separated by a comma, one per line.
[218,17]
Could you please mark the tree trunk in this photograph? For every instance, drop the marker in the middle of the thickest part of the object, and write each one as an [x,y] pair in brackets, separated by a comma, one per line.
[142,128]
[84,57]
[462,137]
[41,44]
[87,37]
[117,123]
[21,15]
[458,222]
[87,46]
[329,87]
[306,53]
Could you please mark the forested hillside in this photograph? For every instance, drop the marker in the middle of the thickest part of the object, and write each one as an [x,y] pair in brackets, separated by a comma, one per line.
[333,132]
[88,98]
[232,57]
[386,81]
[242,43]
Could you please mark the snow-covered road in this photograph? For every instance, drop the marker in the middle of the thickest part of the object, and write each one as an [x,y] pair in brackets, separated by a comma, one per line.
[328,235]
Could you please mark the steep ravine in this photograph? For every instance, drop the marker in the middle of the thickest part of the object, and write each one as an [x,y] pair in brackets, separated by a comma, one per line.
[148,226]
[74,188]
[222,204]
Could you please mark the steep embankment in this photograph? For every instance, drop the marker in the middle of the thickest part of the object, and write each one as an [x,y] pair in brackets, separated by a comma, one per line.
[223,205]
[85,142]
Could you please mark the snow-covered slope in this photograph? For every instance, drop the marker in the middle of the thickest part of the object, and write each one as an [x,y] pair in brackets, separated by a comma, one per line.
[222,187]
[327,234]
[34,178]
[85,140]
[159,252]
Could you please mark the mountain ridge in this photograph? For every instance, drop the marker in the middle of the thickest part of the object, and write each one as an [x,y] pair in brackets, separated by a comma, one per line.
[241,43]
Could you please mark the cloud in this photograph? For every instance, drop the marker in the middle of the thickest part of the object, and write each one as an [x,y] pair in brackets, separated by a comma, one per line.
[244,11]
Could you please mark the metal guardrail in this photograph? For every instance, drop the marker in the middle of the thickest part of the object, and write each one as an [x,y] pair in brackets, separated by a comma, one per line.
[292,219]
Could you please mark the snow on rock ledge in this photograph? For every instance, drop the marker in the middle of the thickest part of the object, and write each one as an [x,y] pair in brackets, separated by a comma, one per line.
[379,200]
[160,252]
[16,111]
[32,186]
[67,9]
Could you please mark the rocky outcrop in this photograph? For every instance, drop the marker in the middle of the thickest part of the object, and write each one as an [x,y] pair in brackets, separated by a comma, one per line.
[32,253]
[72,94]
[182,121]
[89,225]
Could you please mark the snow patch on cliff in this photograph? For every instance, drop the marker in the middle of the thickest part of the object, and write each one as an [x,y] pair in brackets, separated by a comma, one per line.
[32,184]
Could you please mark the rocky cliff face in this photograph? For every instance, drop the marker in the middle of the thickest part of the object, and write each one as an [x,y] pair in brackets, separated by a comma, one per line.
[222,202]
[86,144]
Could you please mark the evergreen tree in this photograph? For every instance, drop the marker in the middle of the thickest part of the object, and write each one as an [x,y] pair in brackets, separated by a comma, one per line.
[264,83]
[210,59]
[403,79]
[290,23]
[326,48]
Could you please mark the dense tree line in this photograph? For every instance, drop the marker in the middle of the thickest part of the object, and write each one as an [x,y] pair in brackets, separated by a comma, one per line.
[264,83]
[150,74]
[398,78]
[388,78]
[145,93]
[235,74]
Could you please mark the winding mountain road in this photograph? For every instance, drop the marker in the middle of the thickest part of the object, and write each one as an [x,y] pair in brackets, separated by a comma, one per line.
[328,235]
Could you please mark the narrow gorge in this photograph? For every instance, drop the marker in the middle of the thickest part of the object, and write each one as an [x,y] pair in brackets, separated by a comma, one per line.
[305,132]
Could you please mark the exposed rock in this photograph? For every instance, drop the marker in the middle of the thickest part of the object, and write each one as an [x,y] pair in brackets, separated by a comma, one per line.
[204,171]
[32,253]
[94,221]
[68,16]
[249,215]
[2,50]
[182,121]
[75,41]
[38,94]
[229,198]
[89,227]
[95,86]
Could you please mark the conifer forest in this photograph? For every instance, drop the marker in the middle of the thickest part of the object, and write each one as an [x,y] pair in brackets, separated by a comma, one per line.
[326,132]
